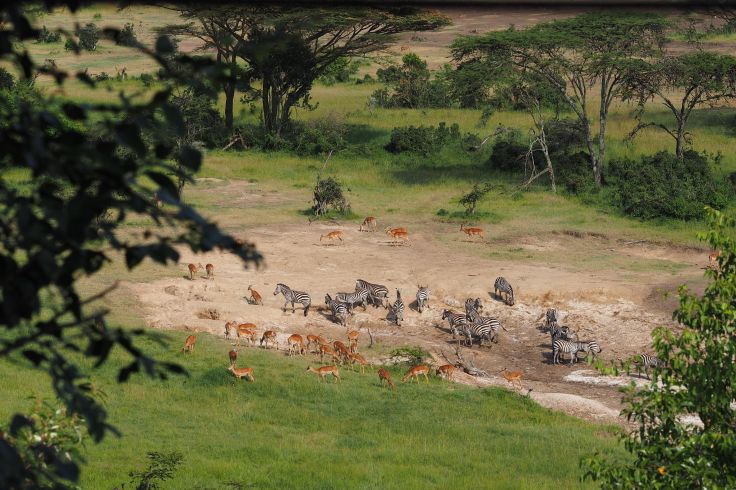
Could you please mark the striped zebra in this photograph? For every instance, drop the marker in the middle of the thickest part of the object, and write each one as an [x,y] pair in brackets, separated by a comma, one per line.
[339,310]
[551,317]
[456,321]
[571,347]
[648,362]
[398,309]
[472,304]
[422,298]
[351,299]
[502,286]
[562,333]
[376,292]
[483,327]
[292,296]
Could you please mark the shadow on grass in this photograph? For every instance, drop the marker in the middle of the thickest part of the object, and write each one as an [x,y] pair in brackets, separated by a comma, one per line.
[428,174]
[362,134]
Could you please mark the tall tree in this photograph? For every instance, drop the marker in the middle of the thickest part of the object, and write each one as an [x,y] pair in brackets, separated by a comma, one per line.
[682,83]
[286,49]
[575,56]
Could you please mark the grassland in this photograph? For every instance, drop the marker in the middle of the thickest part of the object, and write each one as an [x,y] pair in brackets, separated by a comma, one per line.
[288,430]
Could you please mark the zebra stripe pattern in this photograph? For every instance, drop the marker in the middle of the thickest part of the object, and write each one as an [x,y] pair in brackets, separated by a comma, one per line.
[292,296]
[351,299]
[551,317]
[502,286]
[339,310]
[422,298]
[376,292]
[398,309]
[456,321]
[483,327]
[562,333]
[648,362]
[472,304]
[569,347]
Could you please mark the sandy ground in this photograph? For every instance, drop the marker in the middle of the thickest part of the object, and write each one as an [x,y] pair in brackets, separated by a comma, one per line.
[616,311]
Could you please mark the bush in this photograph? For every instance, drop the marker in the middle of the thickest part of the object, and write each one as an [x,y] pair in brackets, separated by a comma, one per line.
[328,195]
[661,186]
[573,172]
[507,156]
[409,85]
[89,36]
[126,37]
[101,77]
[319,136]
[7,80]
[46,36]
[340,71]
[413,355]
[422,139]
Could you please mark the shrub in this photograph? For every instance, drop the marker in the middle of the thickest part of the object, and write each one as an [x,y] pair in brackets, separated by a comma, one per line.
[146,79]
[319,135]
[340,71]
[162,467]
[7,80]
[328,195]
[409,85]
[413,355]
[127,37]
[507,156]
[101,77]
[422,139]
[572,171]
[661,186]
[470,200]
[89,36]
[46,36]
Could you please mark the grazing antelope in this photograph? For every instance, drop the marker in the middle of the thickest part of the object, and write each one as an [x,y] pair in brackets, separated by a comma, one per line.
[332,236]
[342,350]
[513,377]
[383,374]
[398,235]
[241,373]
[255,298]
[446,370]
[369,224]
[233,355]
[296,344]
[388,229]
[415,372]
[189,344]
[324,371]
[269,336]
[328,350]
[355,357]
[210,271]
[472,231]
[713,259]
[193,269]
[246,331]
[312,339]
[353,340]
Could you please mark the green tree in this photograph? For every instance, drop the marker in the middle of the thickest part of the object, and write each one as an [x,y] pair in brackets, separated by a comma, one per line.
[682,83]
[697,379]
[573,55]
[51,235]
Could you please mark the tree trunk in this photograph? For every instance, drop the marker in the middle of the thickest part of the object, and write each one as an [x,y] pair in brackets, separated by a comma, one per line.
[680,146]
[229,102]
[601,144]
[550,169]
[591,150]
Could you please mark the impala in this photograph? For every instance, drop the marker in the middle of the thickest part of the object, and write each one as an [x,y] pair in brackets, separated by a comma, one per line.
[296,344]
[446,370]
[255,298]
[269,336]
[385,375]
[189,344]
[193,269]
[369,224]
[324,371]
[233,355]
[513,377]
[332,236]
[241,373]
[360,360]
[210,271]
[472,231]
[415,372]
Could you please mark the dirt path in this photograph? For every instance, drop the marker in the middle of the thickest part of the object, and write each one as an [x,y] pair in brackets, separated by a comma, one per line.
[619,312]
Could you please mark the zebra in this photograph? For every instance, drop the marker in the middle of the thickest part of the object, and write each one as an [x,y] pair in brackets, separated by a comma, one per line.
[647,362]
[472,304]
[564,333]
[456,320]
[376,292]
[422,298]
[398,309]
[572,348]
[484,327]
[359,297]
[502,286]
[292,297]
[551,317]
[339,310]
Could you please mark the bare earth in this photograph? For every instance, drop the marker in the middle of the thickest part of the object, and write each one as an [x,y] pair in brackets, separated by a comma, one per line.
[614,309]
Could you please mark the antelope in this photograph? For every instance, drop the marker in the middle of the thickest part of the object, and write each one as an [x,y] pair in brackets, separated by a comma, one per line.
[247,331]
[353,340]
[228,326]
[513,377]
[415,372]
[233,354]
[326,349]
[355,357]
[472,231]
[446,370]
[296,344]
[193,269]
[383,374]
[369,224]
[397,234]
[189,344]
[241,373]
[332,236]
[713,259]
[312,339]
[269,336]
[255,298]
[324,371]
[342,350]
[210,271]
[390,230]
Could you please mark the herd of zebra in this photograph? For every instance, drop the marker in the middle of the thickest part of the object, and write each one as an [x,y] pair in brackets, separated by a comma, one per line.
[471,325]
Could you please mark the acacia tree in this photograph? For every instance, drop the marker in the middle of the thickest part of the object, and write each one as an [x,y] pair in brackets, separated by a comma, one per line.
[286,48]
[697,379]
[682,83]
[50,235]
[575,56]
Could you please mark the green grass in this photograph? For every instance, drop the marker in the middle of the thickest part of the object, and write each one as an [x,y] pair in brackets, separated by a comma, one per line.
[287,430]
